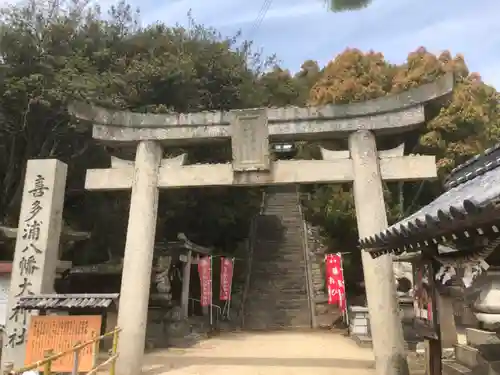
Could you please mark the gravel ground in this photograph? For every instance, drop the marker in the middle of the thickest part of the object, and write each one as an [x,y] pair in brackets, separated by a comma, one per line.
[290,353]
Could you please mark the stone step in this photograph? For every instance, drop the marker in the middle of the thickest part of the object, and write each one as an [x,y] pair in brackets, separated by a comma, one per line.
[263,295]
[265,269]
[277,288]
[293,255]
[277,294]
[466,355]
[279,315]
[269,249]
[278,318]
[291,226]
[281,200]
[292,237]
[281,287]
[476,337]
[494,368]
[264,266]
[264,250]
[282,204]
[290,254]
[295,277]
[283,283]
[286,204]
[279,262]
[273,304]
[454,368]
[276,298]
[259,326]
[273,307]
[290,216]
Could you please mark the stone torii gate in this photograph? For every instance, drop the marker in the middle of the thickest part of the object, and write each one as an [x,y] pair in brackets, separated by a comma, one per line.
[250,132]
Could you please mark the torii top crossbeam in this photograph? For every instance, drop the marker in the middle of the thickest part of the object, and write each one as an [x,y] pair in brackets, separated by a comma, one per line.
[390,114]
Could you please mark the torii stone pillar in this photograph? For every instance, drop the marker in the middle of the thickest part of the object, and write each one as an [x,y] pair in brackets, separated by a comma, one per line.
[138,259]
[385,323]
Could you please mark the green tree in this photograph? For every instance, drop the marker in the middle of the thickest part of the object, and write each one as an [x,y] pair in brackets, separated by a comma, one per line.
[54,52]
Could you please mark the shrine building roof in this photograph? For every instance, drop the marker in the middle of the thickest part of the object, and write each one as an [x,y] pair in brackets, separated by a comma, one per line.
[66,301]
[469,207]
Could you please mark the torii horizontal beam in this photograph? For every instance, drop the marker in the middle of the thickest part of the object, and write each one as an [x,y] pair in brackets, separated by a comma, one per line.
[405,168]
[390,114]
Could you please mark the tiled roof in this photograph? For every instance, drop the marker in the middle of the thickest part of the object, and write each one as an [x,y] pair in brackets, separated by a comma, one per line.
[66,301]
[470,203]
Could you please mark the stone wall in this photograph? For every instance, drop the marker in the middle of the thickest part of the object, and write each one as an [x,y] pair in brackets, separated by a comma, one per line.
[316,256]
[326,314]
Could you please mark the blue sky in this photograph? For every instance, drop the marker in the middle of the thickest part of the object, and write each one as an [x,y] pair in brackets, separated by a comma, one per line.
[297,30]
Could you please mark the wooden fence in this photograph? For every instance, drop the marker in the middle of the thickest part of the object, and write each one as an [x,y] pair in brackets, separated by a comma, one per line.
[50,357]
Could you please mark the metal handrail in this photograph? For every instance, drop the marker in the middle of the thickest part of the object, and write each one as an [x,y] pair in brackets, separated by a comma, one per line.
[217,308]
[250,249]
[308,267]
[51,357]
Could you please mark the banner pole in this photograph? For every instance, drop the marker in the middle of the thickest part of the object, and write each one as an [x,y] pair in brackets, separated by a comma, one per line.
[211,290]
[345,313]
[233,262]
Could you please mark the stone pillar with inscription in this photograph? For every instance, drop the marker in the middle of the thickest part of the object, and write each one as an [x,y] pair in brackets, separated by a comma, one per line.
[37,248]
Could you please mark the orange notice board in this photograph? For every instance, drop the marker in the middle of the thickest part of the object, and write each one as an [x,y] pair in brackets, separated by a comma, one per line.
[61,333]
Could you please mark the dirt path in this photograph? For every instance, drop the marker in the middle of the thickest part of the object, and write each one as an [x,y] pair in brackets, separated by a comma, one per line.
[283,353]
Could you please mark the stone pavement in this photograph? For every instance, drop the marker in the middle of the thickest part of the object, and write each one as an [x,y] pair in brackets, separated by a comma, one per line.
[277,353]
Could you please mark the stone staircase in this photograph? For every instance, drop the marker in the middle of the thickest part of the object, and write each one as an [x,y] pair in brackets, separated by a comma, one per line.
[277,292]
[479,356]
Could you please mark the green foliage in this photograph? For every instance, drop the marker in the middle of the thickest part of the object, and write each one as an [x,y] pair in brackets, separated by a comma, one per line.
[55,52]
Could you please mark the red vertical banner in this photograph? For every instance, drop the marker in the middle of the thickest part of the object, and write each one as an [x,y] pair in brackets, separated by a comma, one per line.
[335,281]
[226,278]
[205,272]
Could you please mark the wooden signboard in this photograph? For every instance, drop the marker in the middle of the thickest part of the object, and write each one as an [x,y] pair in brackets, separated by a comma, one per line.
[61,333]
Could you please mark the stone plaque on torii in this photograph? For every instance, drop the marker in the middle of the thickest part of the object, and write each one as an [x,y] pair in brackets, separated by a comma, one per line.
[250,132]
